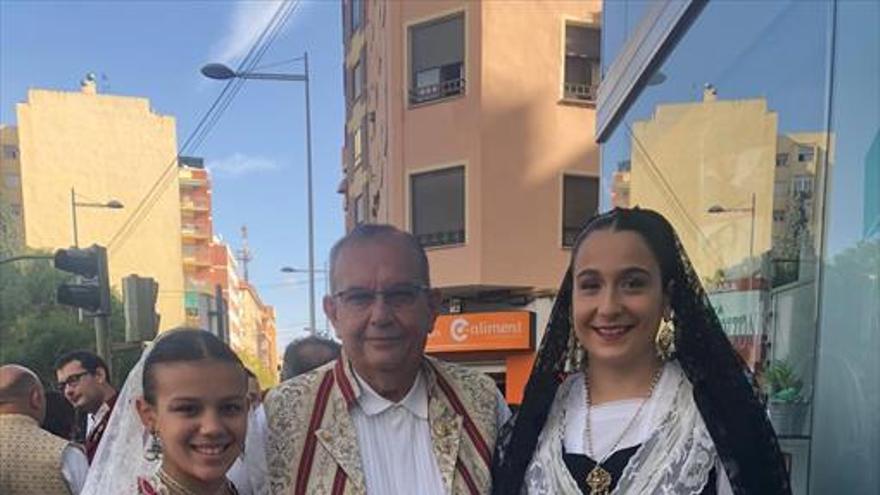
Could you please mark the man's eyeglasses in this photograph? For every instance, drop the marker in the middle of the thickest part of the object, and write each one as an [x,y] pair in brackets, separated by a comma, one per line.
[397,297]
[71,380]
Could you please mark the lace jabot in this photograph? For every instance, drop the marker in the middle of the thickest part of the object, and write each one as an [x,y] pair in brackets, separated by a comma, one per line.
[676,457]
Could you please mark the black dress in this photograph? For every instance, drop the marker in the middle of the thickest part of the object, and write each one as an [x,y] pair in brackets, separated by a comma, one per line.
[579,465]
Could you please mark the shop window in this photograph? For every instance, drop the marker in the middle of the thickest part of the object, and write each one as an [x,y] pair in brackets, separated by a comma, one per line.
[781,159]
[580,201]
[437,206]
[436,59]
[582,71]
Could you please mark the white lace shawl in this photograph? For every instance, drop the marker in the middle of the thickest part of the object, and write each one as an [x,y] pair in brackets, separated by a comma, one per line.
[676,458]
[119,460]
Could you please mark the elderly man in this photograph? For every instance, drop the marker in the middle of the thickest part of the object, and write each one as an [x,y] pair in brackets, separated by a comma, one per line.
[33,460]
[84,379]
[384,418]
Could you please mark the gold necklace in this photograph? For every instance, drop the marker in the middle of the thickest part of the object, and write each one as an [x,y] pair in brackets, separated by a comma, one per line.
[177,487]
[599,479]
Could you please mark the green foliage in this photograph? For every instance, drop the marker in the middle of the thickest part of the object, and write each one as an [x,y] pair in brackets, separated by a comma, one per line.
[782,383]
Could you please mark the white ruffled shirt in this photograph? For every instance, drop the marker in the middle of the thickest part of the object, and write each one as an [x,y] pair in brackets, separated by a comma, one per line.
[395,441]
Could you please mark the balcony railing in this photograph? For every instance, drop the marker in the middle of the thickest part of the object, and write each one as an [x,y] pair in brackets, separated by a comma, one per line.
[193,231]
[581,91]
[441,238]
[194,205]
[431,92]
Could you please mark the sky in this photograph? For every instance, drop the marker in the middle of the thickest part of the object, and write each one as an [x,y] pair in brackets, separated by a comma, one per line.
[256,153]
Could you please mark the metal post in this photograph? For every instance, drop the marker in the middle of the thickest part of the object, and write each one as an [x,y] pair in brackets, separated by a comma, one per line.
[102,337]
[752,245]
[73,214]
[311,219]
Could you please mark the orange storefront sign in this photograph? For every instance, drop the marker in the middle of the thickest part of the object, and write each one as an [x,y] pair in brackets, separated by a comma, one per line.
[474,332]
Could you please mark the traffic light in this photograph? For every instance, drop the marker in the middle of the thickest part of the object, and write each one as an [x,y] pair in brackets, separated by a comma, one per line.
[141,320]
[91,290]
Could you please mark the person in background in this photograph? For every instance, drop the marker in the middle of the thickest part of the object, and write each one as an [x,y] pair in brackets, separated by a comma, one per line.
[255,394]
[636,388]
[60,416]
[33,460]
[307,353]
[84,379]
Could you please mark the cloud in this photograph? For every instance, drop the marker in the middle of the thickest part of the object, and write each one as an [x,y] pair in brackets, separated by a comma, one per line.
[239,164]
[248,20]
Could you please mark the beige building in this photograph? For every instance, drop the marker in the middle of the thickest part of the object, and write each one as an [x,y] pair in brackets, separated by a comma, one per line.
[470,125]
[103,147]
[701,163]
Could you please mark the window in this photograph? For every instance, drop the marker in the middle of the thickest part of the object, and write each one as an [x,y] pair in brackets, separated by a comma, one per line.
[438,206]
[580,201]
[360,209]
[802,184]
[356,14]
[357,146]
[357,79]
[12,181]
[10,152]
[778,215]
[806,153]
[781,159]
[581,62]
[436,59]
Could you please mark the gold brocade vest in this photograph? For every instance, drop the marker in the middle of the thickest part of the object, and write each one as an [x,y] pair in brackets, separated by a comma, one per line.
[313,448]
[30,458]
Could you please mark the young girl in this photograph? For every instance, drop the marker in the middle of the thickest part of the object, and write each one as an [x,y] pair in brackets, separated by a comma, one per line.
[182,423]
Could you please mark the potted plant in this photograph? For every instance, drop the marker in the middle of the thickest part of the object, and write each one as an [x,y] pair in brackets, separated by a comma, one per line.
[787,405]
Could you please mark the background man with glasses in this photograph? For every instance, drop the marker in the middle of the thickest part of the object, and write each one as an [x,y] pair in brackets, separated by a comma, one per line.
[383,418]
[84,380]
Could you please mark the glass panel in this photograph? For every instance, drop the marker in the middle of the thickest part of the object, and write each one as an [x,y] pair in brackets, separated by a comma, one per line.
[619,19]
[706,146]
[580,200]
[438,206]
[846,431]
[437,43]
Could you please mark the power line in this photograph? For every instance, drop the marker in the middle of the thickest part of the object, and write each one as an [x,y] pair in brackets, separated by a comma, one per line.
[206,123]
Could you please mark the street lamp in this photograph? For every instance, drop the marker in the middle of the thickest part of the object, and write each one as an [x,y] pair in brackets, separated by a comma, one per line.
[290,269]
[222,72]
[717,209]
[112,204]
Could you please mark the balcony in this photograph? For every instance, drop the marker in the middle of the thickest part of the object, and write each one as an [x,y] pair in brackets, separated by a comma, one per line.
[580,92]
[192,182]
[432,239]
[194,206]
[437,83]
[194,232]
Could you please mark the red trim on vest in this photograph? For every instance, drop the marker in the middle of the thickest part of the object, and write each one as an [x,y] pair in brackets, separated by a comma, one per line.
[469,426]
[308,455]
[94,438]
[466,476]
[344,384]
[339,482]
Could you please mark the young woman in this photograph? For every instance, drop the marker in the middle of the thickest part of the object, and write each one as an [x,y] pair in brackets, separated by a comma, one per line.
[183,421]
[636,388]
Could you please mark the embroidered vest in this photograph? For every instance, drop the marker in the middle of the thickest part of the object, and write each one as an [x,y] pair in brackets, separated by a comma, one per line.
[313,447]
[30,458]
